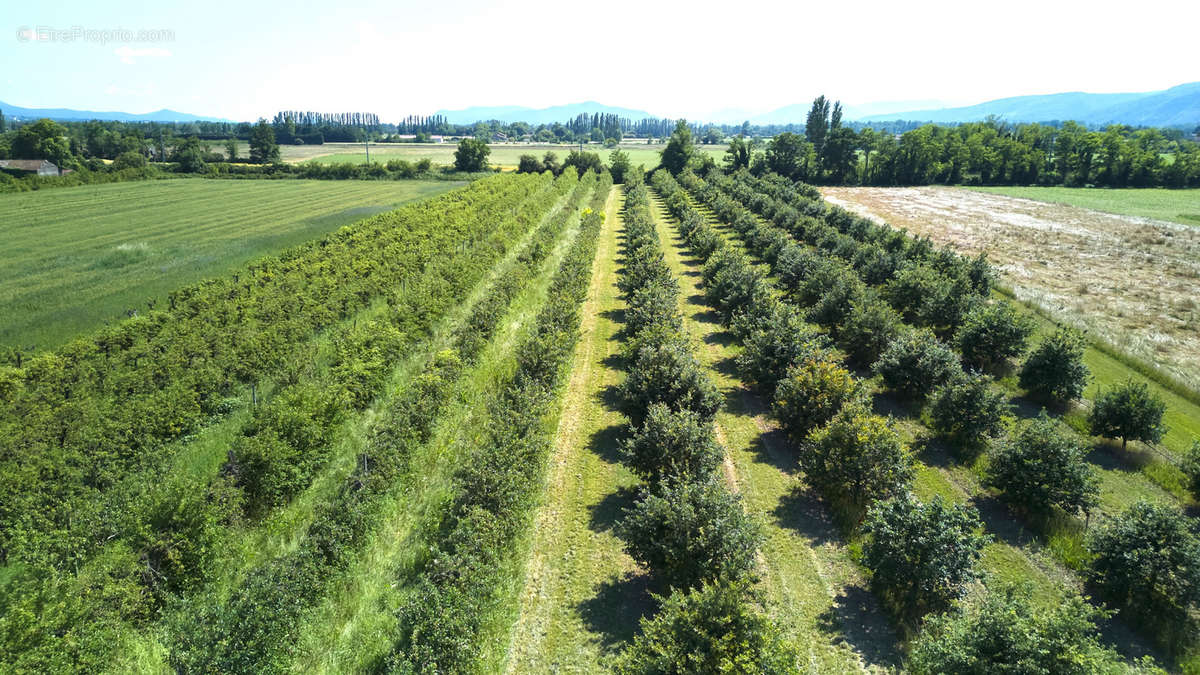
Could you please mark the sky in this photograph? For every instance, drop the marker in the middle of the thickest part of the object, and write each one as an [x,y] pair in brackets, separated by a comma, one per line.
[242,60]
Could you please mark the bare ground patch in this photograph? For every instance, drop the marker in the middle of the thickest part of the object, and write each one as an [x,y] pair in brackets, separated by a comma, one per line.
[1134,282]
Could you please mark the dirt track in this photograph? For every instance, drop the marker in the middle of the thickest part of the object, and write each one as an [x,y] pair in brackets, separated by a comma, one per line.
[1135,282]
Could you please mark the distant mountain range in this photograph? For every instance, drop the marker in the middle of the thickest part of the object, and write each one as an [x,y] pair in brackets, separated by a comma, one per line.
[13,111]
[1177,106]
[1171,107]
[515,113]
[798,113]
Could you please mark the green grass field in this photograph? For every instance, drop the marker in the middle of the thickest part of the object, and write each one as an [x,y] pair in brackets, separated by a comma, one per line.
[1179,206]
[504,155]
[79,257]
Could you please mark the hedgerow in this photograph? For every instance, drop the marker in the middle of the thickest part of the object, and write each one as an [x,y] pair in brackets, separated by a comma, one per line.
[493,493]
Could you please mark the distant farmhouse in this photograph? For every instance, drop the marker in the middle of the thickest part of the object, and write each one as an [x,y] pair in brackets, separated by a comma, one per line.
[43,167]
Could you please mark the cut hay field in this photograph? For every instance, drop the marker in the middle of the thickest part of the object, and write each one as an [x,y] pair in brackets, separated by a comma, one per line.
[1129,281]
[79,257]
[505,155]
[1180,206]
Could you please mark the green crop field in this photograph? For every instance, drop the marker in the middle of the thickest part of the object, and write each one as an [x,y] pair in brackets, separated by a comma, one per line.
[1179,206]
[504,155]
[78,257]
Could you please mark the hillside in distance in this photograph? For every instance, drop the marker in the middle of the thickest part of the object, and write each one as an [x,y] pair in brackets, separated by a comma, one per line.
[516,113]
[1177,106]
[164,115]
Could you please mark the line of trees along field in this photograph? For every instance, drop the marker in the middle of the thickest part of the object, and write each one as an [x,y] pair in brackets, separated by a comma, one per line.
[252,630]
[94,523]
[920,556]
[458,585]
[686,527]
[985,153]
[867,286]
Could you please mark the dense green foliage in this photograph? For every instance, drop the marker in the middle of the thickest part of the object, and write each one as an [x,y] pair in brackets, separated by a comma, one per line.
[1043,465]
[968,410]
[691,532]
[1190,464]
[680,148]
[778,342]
[1054,370]
[712,629]
[263,148]
[810,394]
[820,244]
[857,457]
[1147,559]
[173,528]
[1129,412]
[916,363]
[672,444]
[471,155]
[495,489]
[921,555]
[1006,631]
[991,334]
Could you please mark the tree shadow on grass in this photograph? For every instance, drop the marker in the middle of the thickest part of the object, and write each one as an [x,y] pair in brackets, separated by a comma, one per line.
[886,403]
[1110,457]
[727,366]
[934,452]
[616,316]
[856,620]
[605,443]
[607,512]
[803,512]
[999,521]
[722,338]
[616,608]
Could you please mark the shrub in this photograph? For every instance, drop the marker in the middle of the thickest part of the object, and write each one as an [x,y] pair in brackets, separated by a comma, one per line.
[131,159]
[783,339]
[1148,559]
[835,304]
[1190,465]
[857,456]
[823,275]
[1044,465]
[653,304]
[1007,631]
[794,265]
[992,334]
[915,363]
[668,374]
[1128,411]
[921,556]
[691,532]
[285,444]
[811,393]
[968,410]
[867,329]
[1054,370]
[713,629]
[529,164]
[731,282]
[914,289]
[471,155]
[619,165]
[671,443]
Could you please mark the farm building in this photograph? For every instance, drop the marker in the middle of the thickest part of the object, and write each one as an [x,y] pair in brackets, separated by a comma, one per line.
[43,167]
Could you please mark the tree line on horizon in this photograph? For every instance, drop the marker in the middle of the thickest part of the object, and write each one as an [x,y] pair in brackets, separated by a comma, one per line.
[824,150]
[991,152]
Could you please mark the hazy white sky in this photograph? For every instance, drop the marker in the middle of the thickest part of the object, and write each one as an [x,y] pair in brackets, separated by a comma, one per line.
[243,59]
